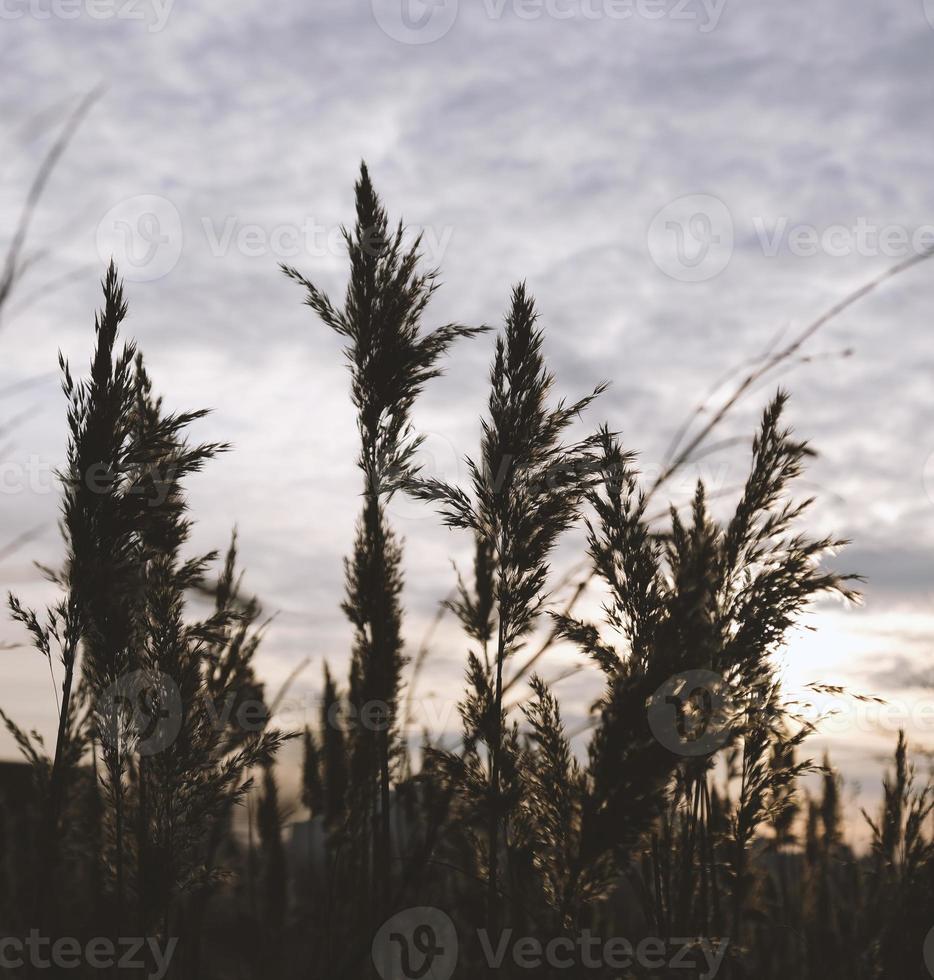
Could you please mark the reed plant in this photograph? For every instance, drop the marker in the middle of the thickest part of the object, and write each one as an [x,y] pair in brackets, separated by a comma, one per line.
[686,810]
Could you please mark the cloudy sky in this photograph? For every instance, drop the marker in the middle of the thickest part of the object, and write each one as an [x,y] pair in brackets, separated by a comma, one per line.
[678,181]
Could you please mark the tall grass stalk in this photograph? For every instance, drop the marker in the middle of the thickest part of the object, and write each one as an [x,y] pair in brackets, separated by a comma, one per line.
[390,361]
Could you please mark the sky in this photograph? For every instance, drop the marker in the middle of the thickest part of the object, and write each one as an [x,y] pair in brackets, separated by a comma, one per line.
[679,183]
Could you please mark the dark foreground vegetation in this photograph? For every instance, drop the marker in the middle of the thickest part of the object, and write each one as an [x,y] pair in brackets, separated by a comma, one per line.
[683,843]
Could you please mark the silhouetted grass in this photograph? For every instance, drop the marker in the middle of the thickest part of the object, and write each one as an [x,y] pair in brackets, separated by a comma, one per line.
[687,821]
